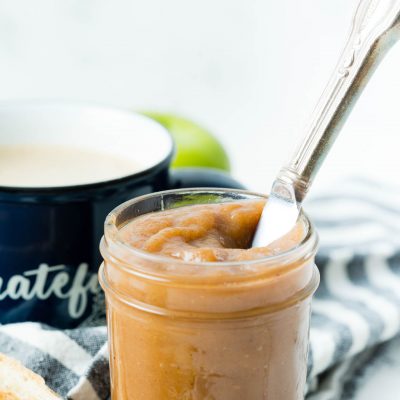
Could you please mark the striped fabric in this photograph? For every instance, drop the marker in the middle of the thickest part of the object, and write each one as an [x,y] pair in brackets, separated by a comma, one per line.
[356,306]
[358,302]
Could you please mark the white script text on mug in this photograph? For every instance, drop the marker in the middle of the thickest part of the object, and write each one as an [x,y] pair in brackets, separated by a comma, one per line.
[20,287]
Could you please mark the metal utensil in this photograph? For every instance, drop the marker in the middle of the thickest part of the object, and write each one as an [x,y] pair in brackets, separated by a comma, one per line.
[375,28]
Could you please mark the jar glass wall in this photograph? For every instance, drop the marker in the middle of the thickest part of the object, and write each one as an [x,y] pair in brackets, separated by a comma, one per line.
[207,330]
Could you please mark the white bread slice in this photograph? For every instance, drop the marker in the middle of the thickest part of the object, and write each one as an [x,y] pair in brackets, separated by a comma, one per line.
[20,383]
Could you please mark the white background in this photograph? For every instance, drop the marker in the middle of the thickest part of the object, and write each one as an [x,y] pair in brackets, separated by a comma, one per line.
[250,70]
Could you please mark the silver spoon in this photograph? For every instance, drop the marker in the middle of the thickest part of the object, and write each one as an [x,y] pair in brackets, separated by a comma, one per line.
[375,28]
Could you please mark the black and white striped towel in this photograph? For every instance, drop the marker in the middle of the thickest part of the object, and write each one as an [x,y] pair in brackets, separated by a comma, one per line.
[356,307]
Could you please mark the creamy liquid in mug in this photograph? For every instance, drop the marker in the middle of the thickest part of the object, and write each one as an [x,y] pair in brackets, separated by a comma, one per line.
[57,165]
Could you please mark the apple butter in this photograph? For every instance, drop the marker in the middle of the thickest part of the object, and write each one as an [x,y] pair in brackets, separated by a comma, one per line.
[193,312]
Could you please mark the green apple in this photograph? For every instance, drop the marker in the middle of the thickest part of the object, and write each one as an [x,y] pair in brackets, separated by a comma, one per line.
[195,146]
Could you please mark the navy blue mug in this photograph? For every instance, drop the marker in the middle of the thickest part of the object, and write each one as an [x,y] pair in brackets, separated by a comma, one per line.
[49,236]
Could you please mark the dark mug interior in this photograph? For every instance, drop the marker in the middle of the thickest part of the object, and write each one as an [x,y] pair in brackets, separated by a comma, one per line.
[49,236]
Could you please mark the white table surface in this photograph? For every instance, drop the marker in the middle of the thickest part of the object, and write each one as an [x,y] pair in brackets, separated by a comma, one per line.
[251,71]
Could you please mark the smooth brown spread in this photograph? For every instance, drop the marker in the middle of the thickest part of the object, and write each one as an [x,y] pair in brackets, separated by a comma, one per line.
[183,331]
[206,232]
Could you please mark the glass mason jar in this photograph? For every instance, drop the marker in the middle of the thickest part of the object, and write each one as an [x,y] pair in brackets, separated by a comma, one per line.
[205,331]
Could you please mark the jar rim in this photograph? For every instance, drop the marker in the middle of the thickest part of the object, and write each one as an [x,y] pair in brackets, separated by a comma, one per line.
[118,249]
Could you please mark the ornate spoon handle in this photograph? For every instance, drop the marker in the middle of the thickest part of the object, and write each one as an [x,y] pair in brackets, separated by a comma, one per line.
[376,26]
